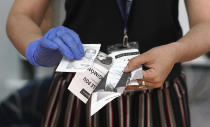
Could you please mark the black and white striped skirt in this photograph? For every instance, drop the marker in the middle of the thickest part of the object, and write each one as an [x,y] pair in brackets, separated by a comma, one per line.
[162,107]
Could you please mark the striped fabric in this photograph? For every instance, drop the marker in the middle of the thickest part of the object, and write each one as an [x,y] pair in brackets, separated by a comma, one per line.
[163,107]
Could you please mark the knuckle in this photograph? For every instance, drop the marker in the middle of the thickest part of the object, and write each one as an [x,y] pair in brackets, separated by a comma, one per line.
[73,31]
[61,27]
[66,36]
[60,33]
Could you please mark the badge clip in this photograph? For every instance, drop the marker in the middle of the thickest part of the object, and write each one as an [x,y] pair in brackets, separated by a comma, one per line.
[125,41]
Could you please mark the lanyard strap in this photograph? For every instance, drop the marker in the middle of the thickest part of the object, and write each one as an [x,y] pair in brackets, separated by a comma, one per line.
[125,14]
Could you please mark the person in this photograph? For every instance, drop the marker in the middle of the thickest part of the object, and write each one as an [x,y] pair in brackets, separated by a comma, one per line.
[154,24]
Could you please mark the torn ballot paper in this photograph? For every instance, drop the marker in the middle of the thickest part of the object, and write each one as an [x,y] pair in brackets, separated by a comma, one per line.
[114,83]
[91,51]
[103,78]
[84,83]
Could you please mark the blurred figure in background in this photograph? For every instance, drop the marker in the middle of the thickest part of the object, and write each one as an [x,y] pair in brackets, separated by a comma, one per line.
[24,108]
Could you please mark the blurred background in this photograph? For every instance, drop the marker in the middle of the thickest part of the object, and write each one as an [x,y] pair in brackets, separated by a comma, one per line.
[15,72]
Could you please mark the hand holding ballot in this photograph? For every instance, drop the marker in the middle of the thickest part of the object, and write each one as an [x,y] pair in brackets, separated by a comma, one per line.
[159,62]
[103,78]
[56,43]
[90,53]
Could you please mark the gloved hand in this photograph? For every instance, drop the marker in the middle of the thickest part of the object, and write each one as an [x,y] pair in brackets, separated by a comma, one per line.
[57,42]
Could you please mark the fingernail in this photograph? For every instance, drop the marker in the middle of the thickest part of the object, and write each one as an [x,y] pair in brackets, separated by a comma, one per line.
[126,69]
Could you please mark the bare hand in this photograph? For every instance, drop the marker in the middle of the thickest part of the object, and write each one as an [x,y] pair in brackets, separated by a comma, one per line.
[160,61]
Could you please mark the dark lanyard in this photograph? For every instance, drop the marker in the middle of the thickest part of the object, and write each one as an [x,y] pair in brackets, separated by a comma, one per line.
[125,14]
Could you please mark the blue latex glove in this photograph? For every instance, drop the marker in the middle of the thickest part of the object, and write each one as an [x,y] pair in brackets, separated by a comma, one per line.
[57,42]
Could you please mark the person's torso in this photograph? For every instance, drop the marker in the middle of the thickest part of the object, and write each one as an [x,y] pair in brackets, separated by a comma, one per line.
[151,22]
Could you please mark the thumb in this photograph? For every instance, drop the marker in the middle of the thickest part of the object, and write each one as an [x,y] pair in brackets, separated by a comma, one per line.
[136,62]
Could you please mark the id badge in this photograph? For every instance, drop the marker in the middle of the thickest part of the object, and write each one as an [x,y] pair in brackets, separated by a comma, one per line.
[122,55]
